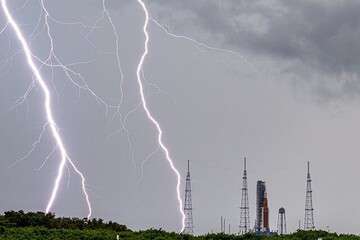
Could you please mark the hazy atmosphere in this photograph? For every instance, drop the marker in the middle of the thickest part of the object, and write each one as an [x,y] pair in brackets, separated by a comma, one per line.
[276,81]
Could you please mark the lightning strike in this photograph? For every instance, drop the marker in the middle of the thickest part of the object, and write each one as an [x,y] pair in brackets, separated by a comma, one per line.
[149,115]
[118,61]
[145,161]
[32,149]
[192,40]
[66,69]
[48,110]
[203,45]
[47,158]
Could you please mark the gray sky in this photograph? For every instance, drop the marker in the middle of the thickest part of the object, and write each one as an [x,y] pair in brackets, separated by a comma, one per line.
[289,95]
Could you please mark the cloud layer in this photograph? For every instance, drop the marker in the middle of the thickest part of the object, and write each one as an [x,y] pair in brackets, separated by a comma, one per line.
[320,35]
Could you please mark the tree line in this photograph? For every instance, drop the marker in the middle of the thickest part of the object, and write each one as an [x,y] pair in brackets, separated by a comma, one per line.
[40,226]
[48,220]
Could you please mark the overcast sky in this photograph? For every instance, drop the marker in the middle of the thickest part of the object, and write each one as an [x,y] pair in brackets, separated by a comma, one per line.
[286,91]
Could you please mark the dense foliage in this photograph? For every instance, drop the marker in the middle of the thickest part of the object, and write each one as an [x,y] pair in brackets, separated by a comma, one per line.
[40,226]
[40,219]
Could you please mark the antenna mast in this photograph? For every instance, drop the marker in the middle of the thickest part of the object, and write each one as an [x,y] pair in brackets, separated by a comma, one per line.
[244,206]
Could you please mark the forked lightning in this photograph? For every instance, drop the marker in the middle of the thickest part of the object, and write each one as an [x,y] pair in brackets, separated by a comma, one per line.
[150,116]
[48,111]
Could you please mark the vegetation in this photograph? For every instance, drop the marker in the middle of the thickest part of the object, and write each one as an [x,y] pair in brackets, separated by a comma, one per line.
[40,219]
[40,226]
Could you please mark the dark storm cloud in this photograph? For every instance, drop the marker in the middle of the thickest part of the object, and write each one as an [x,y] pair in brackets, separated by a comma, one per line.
[321,34]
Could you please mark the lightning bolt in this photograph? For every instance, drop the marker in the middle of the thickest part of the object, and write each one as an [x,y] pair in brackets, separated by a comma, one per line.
[206,46]
[150,116]
[48,110]
[192,40]
[145,161]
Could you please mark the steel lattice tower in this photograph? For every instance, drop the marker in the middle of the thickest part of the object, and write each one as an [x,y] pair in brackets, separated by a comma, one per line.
[189,228]
[244,206]
[309,210]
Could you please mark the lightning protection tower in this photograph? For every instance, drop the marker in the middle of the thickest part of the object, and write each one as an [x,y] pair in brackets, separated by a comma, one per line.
[309,210]
[244,206]
[281,224]
[189,228]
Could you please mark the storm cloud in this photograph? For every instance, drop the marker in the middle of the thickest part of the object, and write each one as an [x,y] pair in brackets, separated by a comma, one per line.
[320,35]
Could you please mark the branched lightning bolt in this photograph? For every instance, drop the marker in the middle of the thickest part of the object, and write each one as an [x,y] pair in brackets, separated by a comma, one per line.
[66,68]
[203,45]
[149,115]
[145,161]
[32,149]
[118,60]
[192,40]
[48,110]
[47,158]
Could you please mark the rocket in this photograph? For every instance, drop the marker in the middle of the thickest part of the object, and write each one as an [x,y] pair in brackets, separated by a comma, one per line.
[265,212]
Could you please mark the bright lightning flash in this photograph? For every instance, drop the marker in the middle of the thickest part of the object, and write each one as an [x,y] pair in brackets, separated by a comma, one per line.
[49,115]
[149,115]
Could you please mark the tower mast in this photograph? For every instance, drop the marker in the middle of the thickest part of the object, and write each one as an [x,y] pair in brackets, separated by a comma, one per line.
[189,228]
[244,206]
[309,210]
